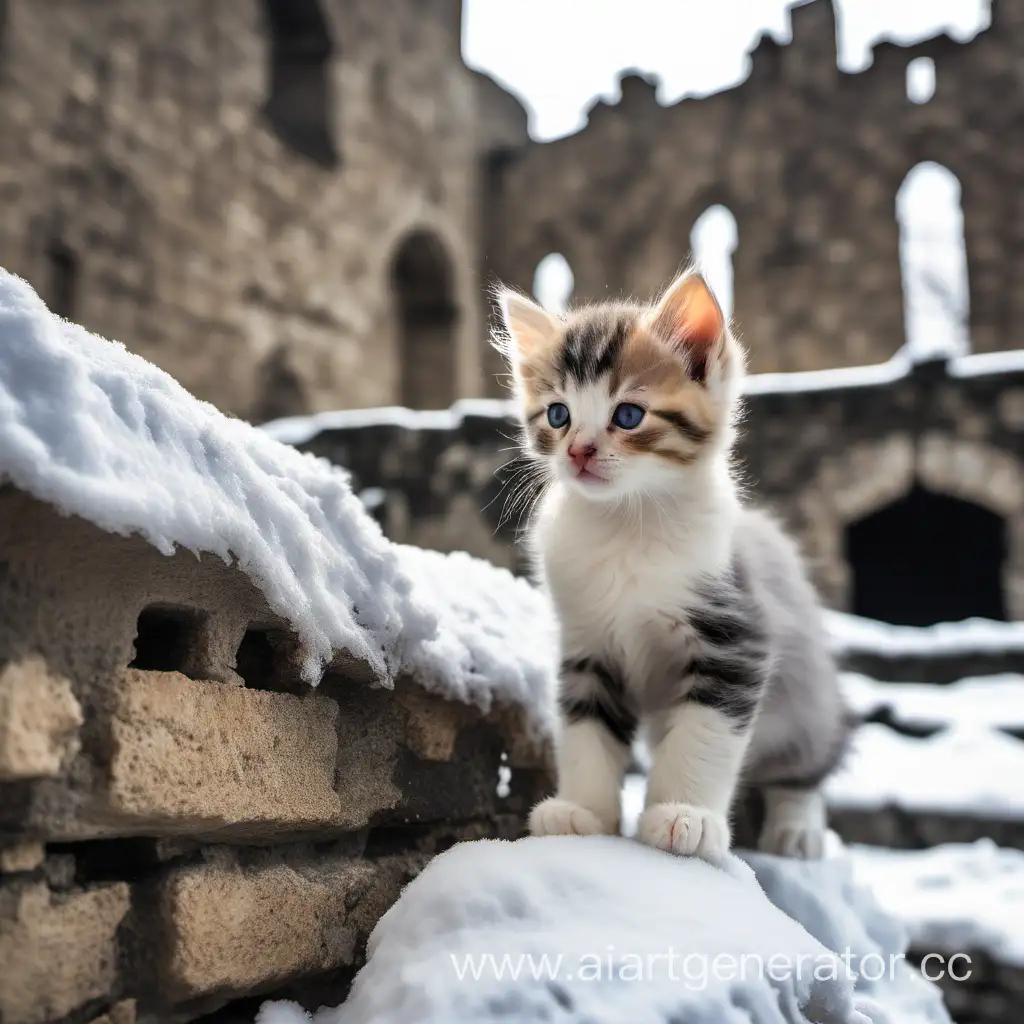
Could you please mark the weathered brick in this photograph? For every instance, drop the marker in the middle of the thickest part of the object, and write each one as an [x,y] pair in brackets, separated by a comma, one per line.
[39,720]
[57,952]
[194,756]
[230,930]
[432,726]
[21,857]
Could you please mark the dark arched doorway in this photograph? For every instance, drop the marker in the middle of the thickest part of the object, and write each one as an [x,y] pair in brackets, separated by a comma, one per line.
[279,389]
[927,558]
[422,280]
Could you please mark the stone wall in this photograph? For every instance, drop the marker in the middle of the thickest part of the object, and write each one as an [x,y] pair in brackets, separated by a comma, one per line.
[437,480]
[827,458]
[233,187]
[183,824]
[823,451]
[809,160]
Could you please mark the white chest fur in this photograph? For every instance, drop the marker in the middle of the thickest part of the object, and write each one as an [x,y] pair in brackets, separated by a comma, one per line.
[623,577]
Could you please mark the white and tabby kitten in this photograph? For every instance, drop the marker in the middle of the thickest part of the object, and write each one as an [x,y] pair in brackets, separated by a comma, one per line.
[681,609]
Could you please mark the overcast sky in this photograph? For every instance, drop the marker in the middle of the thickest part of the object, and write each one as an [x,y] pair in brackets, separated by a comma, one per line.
[558,55]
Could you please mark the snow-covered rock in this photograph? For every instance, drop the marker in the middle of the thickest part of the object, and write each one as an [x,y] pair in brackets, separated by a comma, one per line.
[100,433]
[599,929]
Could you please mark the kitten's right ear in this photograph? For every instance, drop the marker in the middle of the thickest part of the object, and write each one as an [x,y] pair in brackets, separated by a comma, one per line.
[530,328]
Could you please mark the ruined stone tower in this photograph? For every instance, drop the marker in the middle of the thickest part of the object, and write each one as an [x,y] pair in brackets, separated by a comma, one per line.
[809,160]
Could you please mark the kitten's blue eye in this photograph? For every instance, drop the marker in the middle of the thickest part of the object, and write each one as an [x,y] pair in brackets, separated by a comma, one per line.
[558,414]
[627,415]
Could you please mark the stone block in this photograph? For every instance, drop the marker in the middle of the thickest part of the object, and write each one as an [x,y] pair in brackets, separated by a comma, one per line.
[197,756]
[39,720]
[21,857]
[57,952]
[231,930]
[432,726]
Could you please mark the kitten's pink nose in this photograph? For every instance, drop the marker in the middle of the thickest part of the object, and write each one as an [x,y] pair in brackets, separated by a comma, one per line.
[580,453]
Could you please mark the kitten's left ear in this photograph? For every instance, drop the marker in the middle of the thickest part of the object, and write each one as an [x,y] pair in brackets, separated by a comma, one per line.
[689,319]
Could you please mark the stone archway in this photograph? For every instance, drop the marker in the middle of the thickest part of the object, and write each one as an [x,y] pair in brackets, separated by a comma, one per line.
[871,476]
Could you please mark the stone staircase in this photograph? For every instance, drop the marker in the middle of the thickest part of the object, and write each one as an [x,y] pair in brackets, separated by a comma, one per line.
[931,803]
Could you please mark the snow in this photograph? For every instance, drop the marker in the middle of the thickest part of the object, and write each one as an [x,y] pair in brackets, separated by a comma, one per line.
[829,900]
[634,788]
[500,633]
[828,380]
[992,702]
[102,434]
[953,898]
[301,429]
[971,772]
[982,364]
[602,929]
[852,633]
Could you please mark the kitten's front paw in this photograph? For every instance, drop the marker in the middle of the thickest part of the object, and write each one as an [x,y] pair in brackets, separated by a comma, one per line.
[685,829]
[803,842]
[555,817]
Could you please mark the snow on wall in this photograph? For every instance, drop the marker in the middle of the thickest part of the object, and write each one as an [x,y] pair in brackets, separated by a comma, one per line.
[970,772]
[872,375]
[852,633]
[102,434]
[952,898]
[983,364]
[986,702]
[598,929]
[300,429]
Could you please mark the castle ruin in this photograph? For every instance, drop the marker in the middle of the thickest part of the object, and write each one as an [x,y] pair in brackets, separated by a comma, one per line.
[296,205]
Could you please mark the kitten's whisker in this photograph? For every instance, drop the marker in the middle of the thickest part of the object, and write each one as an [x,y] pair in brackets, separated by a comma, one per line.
[525,487]
[661,510]
[516,495]
[529,504]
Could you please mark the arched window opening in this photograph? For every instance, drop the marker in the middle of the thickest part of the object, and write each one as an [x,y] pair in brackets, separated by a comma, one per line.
[920,80]
[553,282]
[423,285]
[299,107]
[906,571]
[62,282]
[713,241]
[933,259]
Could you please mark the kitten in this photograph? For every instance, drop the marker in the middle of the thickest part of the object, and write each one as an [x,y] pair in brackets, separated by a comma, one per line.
[680,608]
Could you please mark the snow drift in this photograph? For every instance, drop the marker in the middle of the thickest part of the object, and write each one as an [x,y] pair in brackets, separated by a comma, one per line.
[601,929]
